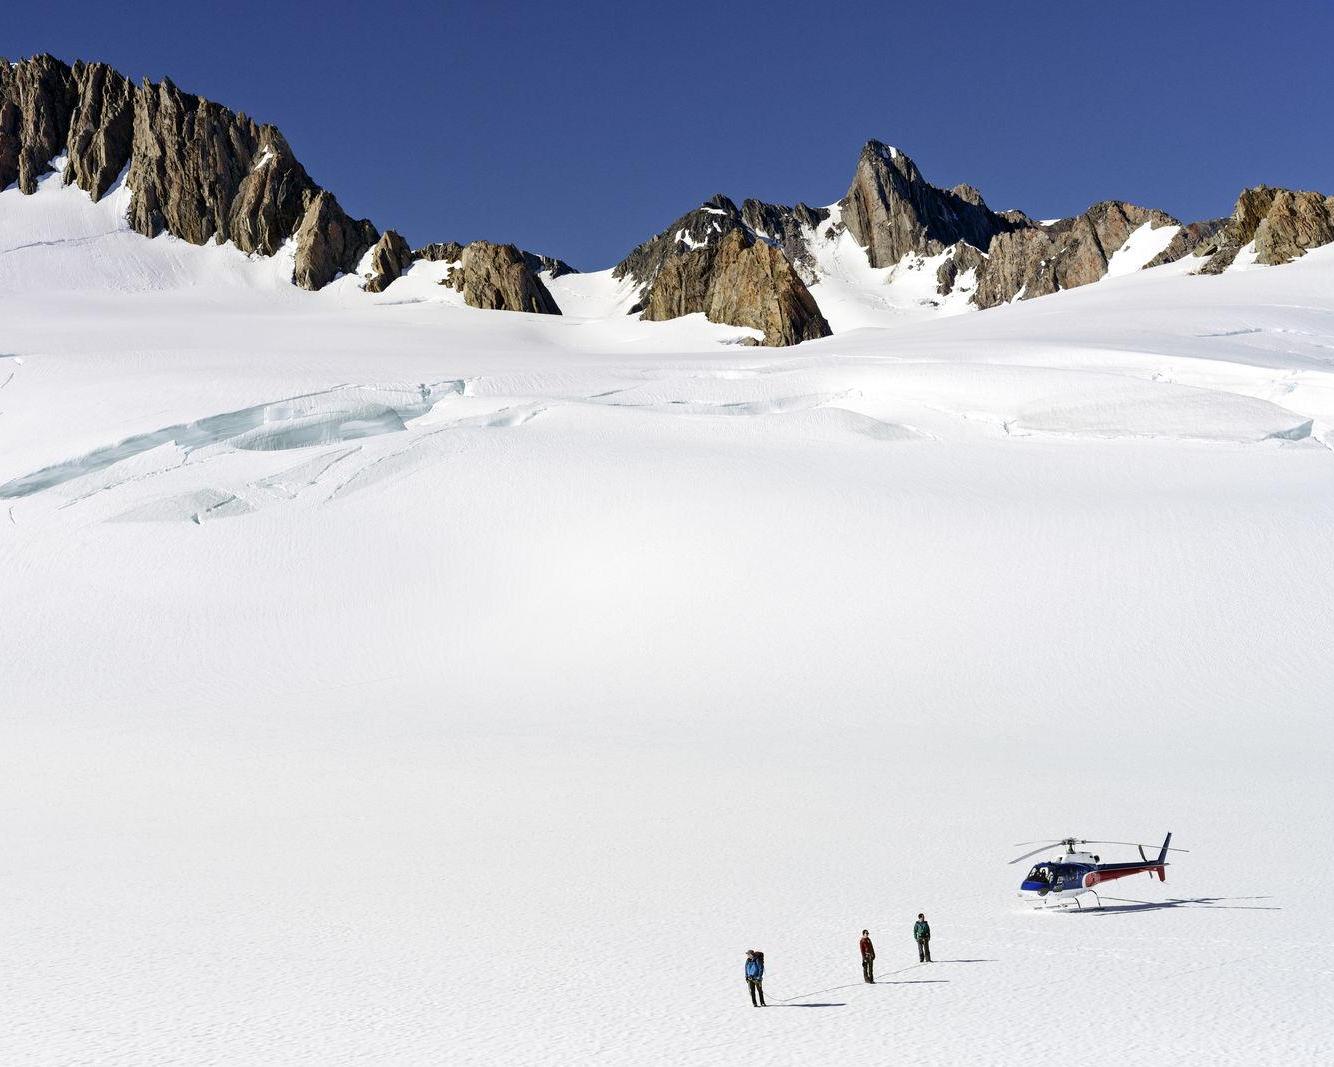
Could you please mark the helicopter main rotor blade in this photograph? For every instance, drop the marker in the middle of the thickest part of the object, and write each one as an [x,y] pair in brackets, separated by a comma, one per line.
[1133,844]
[1036,851]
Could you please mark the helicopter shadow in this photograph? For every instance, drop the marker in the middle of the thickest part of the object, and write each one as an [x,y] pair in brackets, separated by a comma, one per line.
[1126,905]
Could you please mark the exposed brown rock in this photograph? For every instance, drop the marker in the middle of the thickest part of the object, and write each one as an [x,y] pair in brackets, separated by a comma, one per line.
[37,98]
[709,222]
[739,281]
[1294,223]
[452,252]
[1284,224]
[101,130]
[205,173]
[963,258]
[550,264]
[1037,260]
[328,243]
[710,260]
[787,228]
[893,211]
[497,277]
[197,170]
[440,252]
[1187,240]
[389,259]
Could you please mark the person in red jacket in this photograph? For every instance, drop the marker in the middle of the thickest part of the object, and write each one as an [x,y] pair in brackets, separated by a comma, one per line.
[868,957]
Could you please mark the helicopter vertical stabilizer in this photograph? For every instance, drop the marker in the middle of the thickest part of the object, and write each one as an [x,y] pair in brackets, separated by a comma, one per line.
[1162,858]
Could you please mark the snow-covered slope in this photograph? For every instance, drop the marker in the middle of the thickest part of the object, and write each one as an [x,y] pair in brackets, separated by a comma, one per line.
[390,680]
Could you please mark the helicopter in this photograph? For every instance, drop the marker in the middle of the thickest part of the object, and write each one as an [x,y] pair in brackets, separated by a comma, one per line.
[1065,877]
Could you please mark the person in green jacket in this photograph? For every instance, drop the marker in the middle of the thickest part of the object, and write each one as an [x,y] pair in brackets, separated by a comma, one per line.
[921,932]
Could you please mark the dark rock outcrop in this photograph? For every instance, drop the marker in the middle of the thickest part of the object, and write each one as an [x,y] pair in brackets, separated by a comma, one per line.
[497,277]
[787,228]
[712,260]
[328,242]
[1190,237]
[741,281]
[962,258]
[197,170]
[390,257]
[440,252]
[101,131]
[550,264]
[37,98]
[711,221]
[205,173]
[892,211]
[1038,260]
[1284,224]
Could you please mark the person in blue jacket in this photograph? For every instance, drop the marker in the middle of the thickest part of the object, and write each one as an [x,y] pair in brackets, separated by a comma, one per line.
[755,977]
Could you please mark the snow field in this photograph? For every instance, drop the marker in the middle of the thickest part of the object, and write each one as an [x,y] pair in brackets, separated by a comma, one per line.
[417,684]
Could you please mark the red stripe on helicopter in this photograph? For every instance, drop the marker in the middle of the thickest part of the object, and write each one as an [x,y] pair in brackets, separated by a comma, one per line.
[1095,877]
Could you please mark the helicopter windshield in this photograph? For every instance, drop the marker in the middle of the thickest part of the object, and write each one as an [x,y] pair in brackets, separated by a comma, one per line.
[1038,874]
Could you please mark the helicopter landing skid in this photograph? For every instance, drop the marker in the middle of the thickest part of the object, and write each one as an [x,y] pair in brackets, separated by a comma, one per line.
[1068,902]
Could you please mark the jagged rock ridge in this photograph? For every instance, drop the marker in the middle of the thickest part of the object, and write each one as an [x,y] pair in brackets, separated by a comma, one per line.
[1037,260]
[1283,223]
[204,173]
[390,257]
[893,212]
[500,278]
[488,277]
[196,169]
[711,260]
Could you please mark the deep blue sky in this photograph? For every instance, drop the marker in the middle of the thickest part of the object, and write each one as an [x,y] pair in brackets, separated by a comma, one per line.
[579,128]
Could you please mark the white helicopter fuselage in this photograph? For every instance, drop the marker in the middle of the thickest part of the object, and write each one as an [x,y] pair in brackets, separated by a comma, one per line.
[1065,877]
[1061,879]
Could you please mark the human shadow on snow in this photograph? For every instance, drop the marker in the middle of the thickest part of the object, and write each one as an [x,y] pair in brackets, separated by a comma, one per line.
[788,1002]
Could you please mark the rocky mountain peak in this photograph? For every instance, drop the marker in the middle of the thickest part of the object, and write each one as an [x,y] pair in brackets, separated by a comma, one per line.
[498,277]
[719,202]
[731,265]
[887,153]
[737,280]
[1035,259]
[37,98]
[893,212]
[969,194]
[1283,223]
[708,223]
[390,257]
[788,229]
[204,173]
[101,130]
[197,169]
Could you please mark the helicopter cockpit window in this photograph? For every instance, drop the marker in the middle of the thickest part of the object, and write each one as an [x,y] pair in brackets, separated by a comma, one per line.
[1038,874]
